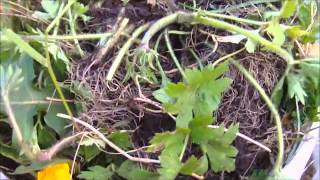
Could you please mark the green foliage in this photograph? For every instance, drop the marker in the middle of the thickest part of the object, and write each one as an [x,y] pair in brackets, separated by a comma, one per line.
[122,139]
[131,171]
[36,166]
[51,7]
[194,101]
[303,86]
[11,153]
[259,175]
[23,46]
[96,173]
[26,100]
[171,143]
[288,8]
[219,149]
[295,88]
[203,90]
[194,165]
[251,44]
[277,31]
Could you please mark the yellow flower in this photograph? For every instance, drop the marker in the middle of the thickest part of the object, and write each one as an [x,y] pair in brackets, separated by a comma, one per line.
[58,171]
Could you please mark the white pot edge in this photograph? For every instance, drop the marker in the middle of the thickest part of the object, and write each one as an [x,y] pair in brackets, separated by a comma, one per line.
[310,144]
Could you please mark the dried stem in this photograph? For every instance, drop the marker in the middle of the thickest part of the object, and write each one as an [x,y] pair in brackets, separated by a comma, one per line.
[30,155]
[111,144]
[48,154]
[245,138]
[274,111]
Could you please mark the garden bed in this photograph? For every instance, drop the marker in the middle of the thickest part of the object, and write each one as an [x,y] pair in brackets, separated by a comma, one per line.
[161,89]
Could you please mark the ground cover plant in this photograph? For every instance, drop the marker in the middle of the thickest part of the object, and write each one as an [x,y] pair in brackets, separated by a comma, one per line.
[156,89]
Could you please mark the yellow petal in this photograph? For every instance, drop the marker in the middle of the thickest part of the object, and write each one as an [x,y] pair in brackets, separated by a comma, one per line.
[58,171]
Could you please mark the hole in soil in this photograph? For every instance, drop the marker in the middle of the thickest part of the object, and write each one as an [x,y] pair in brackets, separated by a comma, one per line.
[149,125]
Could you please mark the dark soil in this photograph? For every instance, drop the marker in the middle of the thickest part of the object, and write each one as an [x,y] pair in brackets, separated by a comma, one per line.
[114,105]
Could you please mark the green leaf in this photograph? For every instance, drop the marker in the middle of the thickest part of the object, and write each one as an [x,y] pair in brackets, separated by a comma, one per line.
[170,166]
[295,88]
[131,171]
[295,32]
[199,96]
[199,127]
[277,93]
[89,152]
[203,165]
[93,141]
[277,31]
[172,142]
[36,166]
[162,96]
[122,139]
[169,140]
[46,137]
[11,153]
[288,8]
[51,7]
[96,173]
[41,15]
[190,166]
[251,44]
[304,12]
[58,54]
[10,35]
[312,71]
[79,9]
[219,149]
[53,121]
[26,101]
[90,147]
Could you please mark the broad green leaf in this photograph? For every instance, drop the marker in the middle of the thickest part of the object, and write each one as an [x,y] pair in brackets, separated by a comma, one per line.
[93,141]
[26,101]
[312,71]
[172,142]
[122,139]
[220,152]
[277,31]
[162,96]
[295,32]
[96,173]
[304,12]
[53,121]
[288,8]
[11,153]
[190,166]
[199,96]
[36,166]
[199,127]
[271,14]
[130,171]
[203,166]
[251,44]
[295,88]
[277,92]
[25,46]
[89,152]
[46,136]
[79,9]
[58,54]
[170,166]
[51,7]
[41,15]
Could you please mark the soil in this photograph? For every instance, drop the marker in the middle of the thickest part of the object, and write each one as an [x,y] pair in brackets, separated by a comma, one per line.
[115,106]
